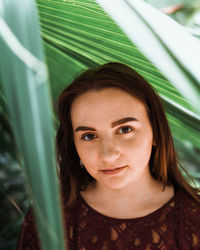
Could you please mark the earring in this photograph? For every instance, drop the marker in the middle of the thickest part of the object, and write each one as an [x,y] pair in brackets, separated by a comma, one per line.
[81,164]
[153,144]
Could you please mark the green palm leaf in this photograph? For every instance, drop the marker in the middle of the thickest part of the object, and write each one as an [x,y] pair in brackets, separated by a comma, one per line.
[24,78]
[163,39]
[79,34]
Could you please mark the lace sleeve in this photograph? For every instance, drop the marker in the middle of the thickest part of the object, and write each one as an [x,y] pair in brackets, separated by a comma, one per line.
[190,224]
[28,238]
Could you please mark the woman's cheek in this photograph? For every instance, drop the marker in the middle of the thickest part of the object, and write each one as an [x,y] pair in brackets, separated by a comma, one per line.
[87,150]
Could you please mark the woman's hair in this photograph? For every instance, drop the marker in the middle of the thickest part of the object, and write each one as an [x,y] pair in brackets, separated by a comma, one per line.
[163,161]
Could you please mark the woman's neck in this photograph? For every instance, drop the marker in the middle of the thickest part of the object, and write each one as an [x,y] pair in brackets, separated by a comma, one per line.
[135,200]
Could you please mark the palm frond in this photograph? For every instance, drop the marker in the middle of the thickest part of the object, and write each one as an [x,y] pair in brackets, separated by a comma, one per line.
[23,75]
[79,34]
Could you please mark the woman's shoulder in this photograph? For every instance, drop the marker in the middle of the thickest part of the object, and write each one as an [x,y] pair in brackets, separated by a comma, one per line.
[187,216]
[188,212]
[189,207]
[187,202]
[28,237]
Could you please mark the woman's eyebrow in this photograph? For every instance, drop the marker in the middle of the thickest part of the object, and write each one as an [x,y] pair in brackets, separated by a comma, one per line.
[113,124]
[123,120]
[82,128]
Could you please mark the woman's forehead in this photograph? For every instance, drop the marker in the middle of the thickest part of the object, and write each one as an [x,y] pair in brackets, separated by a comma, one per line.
[108,105]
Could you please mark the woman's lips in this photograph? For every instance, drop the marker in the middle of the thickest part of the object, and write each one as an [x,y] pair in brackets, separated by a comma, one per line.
[114,171]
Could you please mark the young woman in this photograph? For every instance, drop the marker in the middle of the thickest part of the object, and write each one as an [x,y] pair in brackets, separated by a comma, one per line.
[121,185]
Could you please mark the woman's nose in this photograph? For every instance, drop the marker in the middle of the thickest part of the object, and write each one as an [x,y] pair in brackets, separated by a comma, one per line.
[109,151]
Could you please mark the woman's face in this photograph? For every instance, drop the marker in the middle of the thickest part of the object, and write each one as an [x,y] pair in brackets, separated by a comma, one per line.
[113,136]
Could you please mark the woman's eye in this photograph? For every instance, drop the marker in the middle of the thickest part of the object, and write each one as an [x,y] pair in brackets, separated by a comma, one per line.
[124,130]
[88,137]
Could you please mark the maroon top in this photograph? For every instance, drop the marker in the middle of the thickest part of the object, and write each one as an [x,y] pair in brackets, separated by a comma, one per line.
[176,225]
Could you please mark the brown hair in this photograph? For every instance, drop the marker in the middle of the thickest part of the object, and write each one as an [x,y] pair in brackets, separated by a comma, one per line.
[163,162]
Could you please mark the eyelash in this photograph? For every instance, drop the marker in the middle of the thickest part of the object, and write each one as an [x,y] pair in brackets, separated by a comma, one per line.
[84,135]
[129,127]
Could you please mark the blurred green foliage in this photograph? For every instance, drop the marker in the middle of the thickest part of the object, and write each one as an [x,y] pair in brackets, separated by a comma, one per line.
[13,199]
[185,12]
